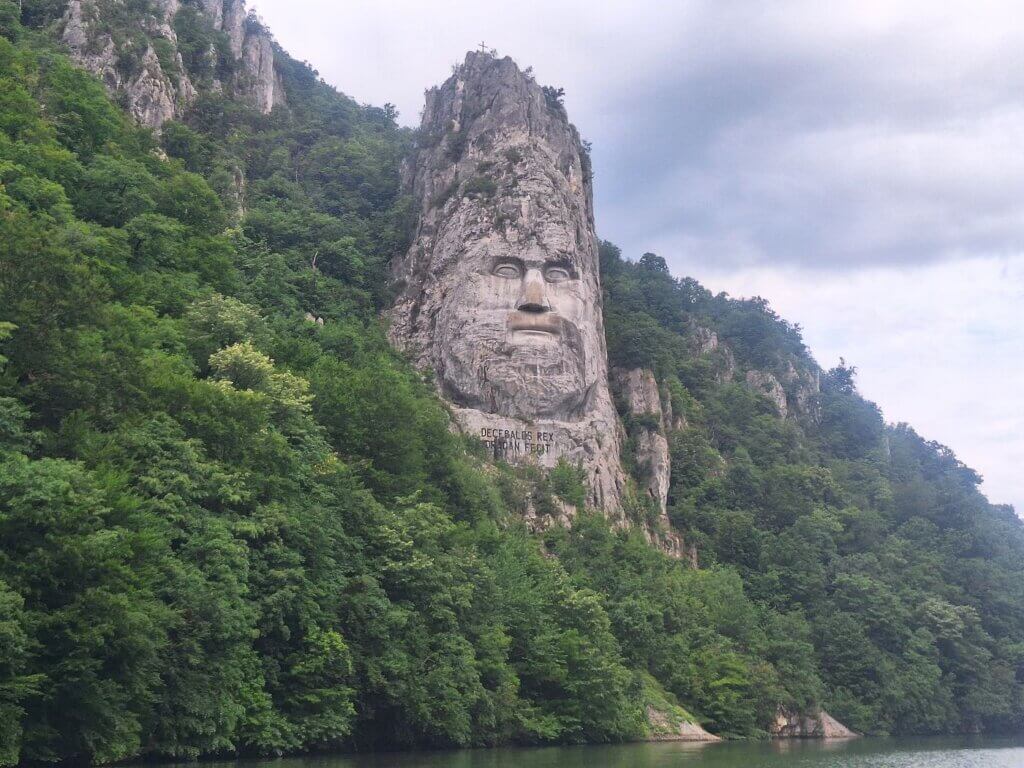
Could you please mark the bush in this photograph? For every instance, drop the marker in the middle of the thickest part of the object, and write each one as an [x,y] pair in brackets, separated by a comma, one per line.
[479,187]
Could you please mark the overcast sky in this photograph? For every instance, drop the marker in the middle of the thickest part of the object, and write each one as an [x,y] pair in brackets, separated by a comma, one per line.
[858,163]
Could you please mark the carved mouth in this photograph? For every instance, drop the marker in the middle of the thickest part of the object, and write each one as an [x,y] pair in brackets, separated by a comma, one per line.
[537,325]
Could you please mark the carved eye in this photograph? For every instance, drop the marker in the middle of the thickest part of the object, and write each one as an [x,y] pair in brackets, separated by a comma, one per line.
[556,274]
[508,270]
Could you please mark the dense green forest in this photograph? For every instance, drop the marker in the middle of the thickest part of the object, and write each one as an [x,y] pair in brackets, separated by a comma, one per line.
[233,521]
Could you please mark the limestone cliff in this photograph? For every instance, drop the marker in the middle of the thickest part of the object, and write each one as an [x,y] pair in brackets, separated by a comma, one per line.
[766,384]
[793,392]
[792,389]
[803,386]
[499,294]
[137,55]
[705,342]
[808,725]
[649,418]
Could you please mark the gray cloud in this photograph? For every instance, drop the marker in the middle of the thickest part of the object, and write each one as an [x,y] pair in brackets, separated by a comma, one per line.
[796,143]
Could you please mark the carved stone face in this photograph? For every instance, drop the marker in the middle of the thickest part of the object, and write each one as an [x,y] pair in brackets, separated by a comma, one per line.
[514,327]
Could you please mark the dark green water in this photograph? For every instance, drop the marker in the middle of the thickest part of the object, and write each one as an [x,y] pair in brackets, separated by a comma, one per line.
[859,753]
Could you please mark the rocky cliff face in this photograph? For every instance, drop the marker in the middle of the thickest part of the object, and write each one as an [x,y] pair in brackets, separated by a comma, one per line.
[706,342]
[804,386]
[152,97]
[258,80]
[499,294]
[793,391]
[766,384]
[146,69]
[649,417]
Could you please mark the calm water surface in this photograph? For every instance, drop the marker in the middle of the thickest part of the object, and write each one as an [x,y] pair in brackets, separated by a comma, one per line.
[859,753]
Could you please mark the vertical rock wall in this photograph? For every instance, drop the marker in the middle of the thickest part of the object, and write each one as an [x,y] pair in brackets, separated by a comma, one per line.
[499,294]
[153,92]
[649,418]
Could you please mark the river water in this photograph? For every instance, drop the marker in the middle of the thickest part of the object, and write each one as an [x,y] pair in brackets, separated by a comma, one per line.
[858,753]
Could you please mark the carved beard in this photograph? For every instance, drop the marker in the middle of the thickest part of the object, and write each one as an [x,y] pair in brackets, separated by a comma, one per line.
[484,366]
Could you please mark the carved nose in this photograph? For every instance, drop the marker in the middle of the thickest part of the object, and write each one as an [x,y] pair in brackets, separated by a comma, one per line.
[533,298]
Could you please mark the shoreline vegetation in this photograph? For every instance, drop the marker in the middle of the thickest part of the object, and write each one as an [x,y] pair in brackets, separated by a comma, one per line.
[234,522]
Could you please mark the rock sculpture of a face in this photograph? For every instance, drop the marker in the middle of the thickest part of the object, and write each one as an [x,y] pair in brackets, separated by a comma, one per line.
[499,293]
[509,331]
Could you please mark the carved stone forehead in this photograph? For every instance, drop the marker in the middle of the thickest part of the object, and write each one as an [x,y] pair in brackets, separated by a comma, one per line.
[538,238]
[530,252]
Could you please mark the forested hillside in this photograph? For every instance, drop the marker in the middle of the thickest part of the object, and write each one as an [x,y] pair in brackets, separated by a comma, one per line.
[870,542]
[233,521]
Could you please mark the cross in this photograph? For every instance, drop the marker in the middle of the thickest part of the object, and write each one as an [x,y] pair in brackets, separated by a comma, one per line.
[483,47]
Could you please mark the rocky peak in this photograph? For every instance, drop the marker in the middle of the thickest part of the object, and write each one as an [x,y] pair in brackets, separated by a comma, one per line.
[499,293]
[491,122]
[148,71]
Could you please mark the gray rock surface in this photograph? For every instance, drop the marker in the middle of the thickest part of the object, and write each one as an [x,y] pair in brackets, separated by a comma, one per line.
[258,80]
[153,95]
[641,393]
[766,384]
[664,728]
[804,386]
[651,417]
[705,342]
[813,725]
[234,15]
[499,294]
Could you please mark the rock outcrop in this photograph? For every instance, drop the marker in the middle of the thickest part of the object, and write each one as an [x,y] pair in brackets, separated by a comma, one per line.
[766,384]
[663,727]
[259,81]
[813,725]
[705,342]
[649,417]
[499,294]
[151,96]
[804,386]
[156,86]
[792,390]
